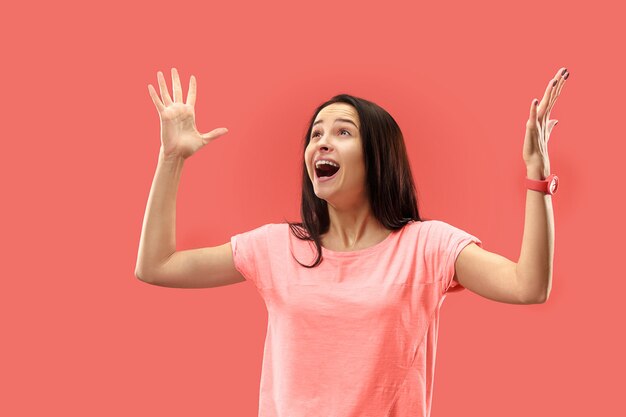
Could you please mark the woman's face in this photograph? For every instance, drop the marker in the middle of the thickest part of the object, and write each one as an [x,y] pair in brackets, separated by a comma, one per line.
[338,140]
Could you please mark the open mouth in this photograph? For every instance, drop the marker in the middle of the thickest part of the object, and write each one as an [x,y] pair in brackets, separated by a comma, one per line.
[325,171]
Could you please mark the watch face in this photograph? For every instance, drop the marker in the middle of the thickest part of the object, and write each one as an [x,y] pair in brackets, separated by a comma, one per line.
[553,185]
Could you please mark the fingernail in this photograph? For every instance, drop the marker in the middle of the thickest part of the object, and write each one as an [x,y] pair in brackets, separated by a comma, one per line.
[566,75]
[554,83]
[564,71]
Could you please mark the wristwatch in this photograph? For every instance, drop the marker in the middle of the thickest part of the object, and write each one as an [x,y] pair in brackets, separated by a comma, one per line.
[548,186]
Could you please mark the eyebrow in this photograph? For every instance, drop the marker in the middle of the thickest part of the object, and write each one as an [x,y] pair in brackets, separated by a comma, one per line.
[338,120]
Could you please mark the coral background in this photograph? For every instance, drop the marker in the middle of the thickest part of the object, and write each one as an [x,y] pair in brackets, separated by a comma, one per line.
[82,336]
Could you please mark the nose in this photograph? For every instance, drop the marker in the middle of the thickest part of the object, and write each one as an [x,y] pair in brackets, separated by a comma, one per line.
[322,142]
[323,149]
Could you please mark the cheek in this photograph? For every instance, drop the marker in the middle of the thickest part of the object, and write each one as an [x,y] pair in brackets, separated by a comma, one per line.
[356,161]
[308,152]
[307,158]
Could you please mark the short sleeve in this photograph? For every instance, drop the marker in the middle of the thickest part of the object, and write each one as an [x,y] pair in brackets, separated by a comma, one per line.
[250,251]
[449,241]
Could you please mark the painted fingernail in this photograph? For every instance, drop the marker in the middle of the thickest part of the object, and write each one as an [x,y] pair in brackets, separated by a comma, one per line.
[564,71]
[566,75]
[554,83]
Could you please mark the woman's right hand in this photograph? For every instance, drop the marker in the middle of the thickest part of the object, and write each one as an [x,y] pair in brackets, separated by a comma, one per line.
[179,136]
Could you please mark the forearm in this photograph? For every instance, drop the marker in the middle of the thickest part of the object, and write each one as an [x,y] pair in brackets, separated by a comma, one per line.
[534,268]
[158,234]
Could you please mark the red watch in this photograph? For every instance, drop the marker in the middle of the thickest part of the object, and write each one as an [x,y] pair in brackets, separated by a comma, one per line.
[548,186]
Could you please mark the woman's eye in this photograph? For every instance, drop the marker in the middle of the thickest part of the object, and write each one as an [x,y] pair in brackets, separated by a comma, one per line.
[341,131]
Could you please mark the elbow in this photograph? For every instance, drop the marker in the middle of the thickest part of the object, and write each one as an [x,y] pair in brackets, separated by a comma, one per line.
[544,296]
[534,291]
[141,276]
[138,273]
[541,298]
[545,293]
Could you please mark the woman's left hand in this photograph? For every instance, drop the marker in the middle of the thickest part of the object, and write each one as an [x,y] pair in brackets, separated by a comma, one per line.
[539,125]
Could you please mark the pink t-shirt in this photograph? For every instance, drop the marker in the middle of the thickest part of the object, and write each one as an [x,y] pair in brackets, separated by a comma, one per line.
[356,335]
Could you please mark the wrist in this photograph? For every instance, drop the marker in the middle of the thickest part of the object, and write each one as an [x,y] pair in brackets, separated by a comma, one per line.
[171,158]
[537,172]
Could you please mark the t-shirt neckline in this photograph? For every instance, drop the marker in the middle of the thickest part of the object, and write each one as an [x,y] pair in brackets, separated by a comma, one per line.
[375,248]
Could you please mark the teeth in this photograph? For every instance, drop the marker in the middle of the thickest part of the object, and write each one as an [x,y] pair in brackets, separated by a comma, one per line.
[318,163]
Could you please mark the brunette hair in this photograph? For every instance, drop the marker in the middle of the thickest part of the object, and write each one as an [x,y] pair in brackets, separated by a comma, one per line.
[389,181]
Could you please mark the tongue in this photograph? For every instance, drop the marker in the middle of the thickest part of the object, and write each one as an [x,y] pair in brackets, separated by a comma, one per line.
[326,170]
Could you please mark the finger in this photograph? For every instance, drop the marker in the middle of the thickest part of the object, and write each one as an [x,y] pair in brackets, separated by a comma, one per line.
[155,98]
[191,93]
[556,88]
[561,72]
[176,87]
[533,111]
[561,83]
[545,101]
[556,84]
[551,125]
[167,100]
[215,133]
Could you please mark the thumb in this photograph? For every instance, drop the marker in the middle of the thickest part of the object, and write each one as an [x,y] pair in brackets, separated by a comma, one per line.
[551,124]
[533,110]
[215,133]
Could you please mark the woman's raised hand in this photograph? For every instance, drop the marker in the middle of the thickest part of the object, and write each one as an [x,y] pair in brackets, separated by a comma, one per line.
[179,136]
[539,125]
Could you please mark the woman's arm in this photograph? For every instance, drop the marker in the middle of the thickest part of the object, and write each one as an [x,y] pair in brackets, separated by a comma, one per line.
[534,267]
[528,281]
[158,234]
[180,139]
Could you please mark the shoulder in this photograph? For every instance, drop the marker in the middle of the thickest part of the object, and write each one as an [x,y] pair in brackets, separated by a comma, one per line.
[425,229]
[256,235]
[445,237]
[441,228]
[437,224]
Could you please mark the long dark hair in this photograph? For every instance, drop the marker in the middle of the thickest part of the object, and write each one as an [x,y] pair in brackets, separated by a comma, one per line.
[389,181]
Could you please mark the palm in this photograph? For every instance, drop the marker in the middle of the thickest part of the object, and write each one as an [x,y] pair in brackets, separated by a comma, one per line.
[178,130]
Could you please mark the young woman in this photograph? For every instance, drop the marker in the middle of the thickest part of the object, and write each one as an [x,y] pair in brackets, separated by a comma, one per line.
[353,292]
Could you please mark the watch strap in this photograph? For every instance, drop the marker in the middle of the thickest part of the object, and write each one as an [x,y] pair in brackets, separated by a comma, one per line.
[547,186]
